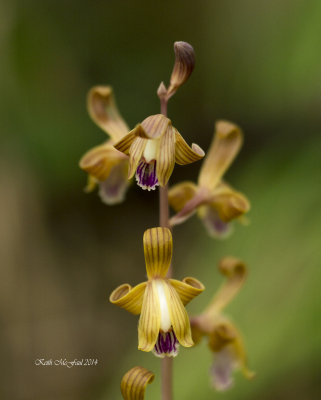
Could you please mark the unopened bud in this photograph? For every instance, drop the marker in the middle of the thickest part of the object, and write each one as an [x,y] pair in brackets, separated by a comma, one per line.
[161,91]
[183,67]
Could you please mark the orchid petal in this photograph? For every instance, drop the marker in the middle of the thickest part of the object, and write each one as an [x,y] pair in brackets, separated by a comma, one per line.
[99,161]
[185,154]
[131,299]
[235,272]
[134,382]
[158,247]
[178,316]
[224,148]
[150,319]
[185,198]
[214,225]
[103,111]
[135,154]
[180,194]
[165,156]
[125,143]
[187,289]
[229,203]
[113,189]
[229,354]
[155,126]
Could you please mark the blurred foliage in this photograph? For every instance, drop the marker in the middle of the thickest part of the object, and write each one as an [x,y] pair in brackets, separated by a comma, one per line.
[257,64]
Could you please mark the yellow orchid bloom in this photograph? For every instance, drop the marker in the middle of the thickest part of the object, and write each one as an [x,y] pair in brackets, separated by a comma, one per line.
[105,165]
[153,147]
[164,322]
[224,340]
[216,202]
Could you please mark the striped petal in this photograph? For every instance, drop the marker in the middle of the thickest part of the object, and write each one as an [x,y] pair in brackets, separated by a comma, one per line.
[125,143]
[99,161]
[158,247]
[183,67]
[229,203]
[235,272]
[150,319]
[104,112]
[134,382]
[131,299]
[185,154]
[135,154]
[187,289]
[156,125]
[165,159]
[179,317]
[226,144]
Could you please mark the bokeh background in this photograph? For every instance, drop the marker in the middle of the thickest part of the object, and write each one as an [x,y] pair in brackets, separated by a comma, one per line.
[62,251]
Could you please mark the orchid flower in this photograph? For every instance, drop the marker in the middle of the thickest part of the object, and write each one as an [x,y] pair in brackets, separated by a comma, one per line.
[164,322]
[224,340]
[217,203]
[105,165]
[153,147]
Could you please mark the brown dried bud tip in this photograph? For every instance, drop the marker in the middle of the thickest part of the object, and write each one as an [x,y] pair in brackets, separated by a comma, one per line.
[183,67]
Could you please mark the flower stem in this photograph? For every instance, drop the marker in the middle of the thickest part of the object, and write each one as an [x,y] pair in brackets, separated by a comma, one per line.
[167,362]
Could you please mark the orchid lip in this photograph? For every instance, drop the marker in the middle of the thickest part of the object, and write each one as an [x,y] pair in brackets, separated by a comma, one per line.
[166,345]
[146,175]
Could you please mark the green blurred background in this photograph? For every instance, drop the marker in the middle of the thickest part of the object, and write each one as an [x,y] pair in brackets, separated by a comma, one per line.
[62,252]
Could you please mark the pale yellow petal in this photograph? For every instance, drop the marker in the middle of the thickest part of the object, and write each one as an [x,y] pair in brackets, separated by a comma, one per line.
[155,125]
[158,248]
[125,143]
[180,194]
[185,154]
[235,272]
[229,203]
[185,198]
[187,289]
[165,159]
[135,154]
[225,146]
[179,317]
[131,299]
[103,110]
[149,322]
[134,382]
[99,160]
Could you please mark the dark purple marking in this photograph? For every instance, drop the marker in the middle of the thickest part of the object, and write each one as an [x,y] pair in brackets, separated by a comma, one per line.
[146,175]
[166,345]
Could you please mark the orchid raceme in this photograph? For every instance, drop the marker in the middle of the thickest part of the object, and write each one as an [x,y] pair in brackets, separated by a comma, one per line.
[164,322]
[134,382]
[153,147]
[224,340]
[217,203]
[105,165]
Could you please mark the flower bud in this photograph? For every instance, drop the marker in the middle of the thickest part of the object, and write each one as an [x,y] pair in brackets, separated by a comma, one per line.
[134,383]
[183,67]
